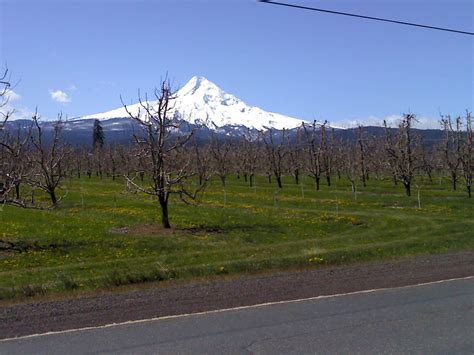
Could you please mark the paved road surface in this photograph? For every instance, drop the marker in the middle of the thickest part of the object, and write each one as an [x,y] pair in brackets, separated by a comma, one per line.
[432,318]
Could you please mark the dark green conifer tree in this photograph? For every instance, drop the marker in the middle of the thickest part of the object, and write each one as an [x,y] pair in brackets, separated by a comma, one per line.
[97,136]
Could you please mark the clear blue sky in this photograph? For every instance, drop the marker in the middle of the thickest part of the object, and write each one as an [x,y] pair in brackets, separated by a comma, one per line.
[299,63]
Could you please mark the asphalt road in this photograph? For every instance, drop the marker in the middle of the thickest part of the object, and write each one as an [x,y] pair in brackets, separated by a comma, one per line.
[430,318]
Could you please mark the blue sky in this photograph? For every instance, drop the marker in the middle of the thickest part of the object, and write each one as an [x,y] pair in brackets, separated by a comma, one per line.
[78,57]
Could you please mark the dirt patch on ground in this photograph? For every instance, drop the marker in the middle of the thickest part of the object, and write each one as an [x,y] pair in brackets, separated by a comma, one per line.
[202,230]
[5,253]
[158,229]
[113,307]
[23,246]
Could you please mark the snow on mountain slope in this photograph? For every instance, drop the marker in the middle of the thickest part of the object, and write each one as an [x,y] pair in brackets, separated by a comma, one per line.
[202,101]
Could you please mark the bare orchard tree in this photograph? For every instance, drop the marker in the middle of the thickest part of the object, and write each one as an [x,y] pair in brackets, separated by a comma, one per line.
[467,156]
[295,155]
[76,161]
[98,158]
[276,151]
[351,163]
[400,151]
[125,162]
[328,152]
[377,158]
[202,159]
[111,162]
[14,166]
[314,149]
[221,156]
[7,180]
[428,160]
[451,146]
[5,88]
[48,159]
[160,147]
[362,153]
[250,151]
[239,159]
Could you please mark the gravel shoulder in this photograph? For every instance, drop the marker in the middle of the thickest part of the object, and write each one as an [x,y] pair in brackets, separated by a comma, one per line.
[125,305]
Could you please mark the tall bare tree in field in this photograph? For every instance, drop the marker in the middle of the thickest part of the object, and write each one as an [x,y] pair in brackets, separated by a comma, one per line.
[276,151]
[6,183]
[295,156]
[467,156]
[428,160]
[124,156]
[202,160]
[250,156]
[362,153]
[328,148]
[112,161]
[5,89]
[314,149]
[161,150]
[377,157]
[47,158]
[400,151]
[76,160]
[351,163]
[221,154]
[452,146]
[14,165]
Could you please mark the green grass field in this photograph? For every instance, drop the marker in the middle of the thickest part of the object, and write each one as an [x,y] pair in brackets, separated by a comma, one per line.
[82,244]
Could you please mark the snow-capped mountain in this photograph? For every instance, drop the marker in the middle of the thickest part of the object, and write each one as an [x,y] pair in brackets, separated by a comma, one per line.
[201,101]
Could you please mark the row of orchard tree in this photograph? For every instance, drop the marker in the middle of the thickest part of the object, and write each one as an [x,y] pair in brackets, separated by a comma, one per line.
[165,159]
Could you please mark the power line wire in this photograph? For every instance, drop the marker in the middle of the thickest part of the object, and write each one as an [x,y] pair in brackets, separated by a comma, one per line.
[366,17]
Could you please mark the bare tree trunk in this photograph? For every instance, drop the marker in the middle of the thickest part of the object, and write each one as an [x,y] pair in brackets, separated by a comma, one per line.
[54,199]
[164,212]
[279,182]
[317,182]
[251,180]
[407,185]
[353,185]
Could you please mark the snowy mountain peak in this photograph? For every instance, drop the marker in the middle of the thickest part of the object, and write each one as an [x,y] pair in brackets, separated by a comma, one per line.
[197,82]
[201,101]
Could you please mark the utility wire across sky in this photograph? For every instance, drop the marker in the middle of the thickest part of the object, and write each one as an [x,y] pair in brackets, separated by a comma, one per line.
[366,17]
